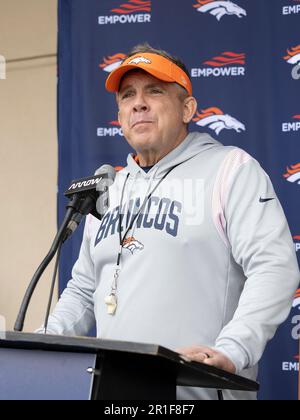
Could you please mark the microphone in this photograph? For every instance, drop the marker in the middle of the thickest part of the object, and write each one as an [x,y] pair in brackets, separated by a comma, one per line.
[102,187]
[91,195]
[83,195]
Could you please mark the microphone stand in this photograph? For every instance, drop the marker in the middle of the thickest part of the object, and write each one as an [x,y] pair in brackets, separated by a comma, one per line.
[61,237]
[83,195]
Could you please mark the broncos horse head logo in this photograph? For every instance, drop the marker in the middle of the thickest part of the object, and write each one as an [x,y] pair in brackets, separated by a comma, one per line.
[293,174]
[296,302]
[132,245]
[139,60]
[216,120]
[220,8]
[293,55]
[112,62]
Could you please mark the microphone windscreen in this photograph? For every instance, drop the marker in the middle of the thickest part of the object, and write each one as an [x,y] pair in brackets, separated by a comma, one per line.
[109,174]
[107,170]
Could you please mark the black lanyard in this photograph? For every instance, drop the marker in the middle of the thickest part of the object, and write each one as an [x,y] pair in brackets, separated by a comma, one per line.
[112,300]
[147,198]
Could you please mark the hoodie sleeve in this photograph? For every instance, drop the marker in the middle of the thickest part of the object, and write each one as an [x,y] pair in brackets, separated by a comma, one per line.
[261,243]
[74,313]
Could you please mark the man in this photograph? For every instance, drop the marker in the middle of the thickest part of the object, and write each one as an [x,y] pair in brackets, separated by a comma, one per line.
[212,280]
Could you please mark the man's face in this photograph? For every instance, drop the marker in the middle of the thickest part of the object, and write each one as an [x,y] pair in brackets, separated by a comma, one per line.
[151,113]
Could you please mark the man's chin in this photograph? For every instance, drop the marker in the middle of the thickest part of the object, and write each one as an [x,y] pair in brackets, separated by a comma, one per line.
[145,131]
[142,141]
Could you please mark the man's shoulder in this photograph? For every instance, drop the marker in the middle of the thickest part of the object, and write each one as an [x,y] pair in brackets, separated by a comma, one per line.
[222,152]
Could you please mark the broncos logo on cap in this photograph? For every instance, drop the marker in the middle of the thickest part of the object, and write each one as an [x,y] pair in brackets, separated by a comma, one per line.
[138,60]
[293,174]
[220,8]
[132,245]
[216,120]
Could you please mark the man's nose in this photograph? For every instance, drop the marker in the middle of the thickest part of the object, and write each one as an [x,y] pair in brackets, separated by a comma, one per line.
[140,104]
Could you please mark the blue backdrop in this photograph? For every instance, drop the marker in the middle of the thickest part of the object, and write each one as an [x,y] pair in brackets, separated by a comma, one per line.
[244,58]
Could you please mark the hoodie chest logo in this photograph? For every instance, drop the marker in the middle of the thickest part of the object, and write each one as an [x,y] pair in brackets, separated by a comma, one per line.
[161,214]
[132,245]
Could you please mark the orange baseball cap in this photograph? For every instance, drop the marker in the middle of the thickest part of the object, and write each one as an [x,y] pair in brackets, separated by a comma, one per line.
[156,65]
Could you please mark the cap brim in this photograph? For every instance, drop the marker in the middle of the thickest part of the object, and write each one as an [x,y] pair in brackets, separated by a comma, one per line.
[113,81]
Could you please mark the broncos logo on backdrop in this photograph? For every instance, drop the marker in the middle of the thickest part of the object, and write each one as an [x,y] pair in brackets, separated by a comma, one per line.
[293,174]
[112,62]
[296,302]
[215,119]
[293,58]
[293,55]
[132,245]
[220,8]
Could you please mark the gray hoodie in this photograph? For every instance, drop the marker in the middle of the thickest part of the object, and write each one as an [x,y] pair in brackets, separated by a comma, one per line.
[209,261]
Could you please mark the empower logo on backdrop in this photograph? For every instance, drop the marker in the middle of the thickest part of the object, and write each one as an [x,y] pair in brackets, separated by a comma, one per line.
[227,64]
[296,318]
[134,11]
[287,127]
[220,8]
[215,119]
[113,129]
[291,9]
[293,58]
[293,364]
[293,174]
[111,62]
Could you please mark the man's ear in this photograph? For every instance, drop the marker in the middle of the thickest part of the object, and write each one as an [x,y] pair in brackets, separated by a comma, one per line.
[117,100]
[190,108]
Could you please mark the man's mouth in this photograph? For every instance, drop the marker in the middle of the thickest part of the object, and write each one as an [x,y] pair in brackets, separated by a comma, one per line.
[141,122]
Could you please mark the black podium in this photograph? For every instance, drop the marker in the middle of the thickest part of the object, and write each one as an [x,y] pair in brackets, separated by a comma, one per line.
[55,367]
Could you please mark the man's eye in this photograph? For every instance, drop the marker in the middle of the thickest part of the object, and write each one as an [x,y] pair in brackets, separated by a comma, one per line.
[126,95]
[156,91]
